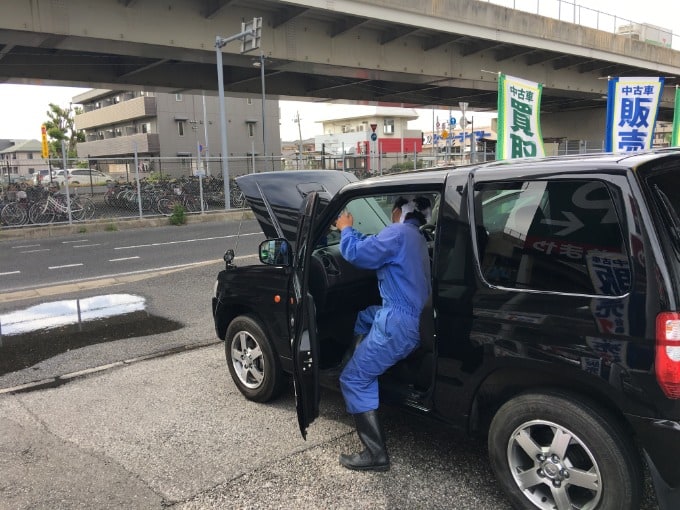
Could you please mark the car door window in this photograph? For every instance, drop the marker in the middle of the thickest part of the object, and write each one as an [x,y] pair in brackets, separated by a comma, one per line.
[373,213]
[561,236]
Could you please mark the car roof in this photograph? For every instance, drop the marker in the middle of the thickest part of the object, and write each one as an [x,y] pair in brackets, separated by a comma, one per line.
[286,190]
[622,161]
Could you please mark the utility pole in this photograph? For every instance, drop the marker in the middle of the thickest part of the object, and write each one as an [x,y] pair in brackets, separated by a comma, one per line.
[297,119]
[463,124]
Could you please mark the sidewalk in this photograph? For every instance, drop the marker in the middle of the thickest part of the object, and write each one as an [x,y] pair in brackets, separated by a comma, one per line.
[174,432]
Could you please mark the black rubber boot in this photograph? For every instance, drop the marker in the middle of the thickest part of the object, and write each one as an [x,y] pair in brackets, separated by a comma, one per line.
[350,351]
[374,457]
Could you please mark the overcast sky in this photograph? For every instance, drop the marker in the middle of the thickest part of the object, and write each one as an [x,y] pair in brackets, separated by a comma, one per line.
[23,107]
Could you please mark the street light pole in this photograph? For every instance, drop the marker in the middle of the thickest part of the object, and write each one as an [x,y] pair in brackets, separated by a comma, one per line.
[264,131]
[223,122]
[250,39]
[205,134]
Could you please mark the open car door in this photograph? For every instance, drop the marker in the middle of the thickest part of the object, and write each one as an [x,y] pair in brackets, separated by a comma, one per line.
[304,342]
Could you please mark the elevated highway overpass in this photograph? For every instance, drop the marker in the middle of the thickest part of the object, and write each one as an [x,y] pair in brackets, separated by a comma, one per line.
[410,52]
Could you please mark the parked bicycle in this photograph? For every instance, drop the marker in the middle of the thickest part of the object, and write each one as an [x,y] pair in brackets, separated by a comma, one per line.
[16,203]
[236,196]
[179,196]
[56,205]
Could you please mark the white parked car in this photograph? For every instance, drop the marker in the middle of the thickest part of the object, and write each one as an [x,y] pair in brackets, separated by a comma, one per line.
[40,176]
[83,176]
[57,176]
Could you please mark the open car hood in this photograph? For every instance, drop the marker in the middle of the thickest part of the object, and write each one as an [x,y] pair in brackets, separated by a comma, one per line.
[282,193]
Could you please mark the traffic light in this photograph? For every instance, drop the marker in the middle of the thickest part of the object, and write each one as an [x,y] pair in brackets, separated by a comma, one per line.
[251,41]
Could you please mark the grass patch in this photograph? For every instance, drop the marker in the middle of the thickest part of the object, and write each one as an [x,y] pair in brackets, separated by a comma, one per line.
[179,215]
[82,230]
[112,227]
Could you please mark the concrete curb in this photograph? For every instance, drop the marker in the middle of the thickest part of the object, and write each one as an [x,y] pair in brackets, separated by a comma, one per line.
[114,224]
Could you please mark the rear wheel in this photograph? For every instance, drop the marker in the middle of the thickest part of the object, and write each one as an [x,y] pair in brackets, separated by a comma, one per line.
[238,199]
[89,208]
[252,362]
[14,214]
[77,209]
[554,452]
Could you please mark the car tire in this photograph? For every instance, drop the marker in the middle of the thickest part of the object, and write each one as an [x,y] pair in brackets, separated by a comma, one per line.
[550,450]
[253,364]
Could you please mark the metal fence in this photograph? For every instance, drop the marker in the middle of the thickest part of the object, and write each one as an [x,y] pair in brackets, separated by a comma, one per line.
[108,189]
[101,189]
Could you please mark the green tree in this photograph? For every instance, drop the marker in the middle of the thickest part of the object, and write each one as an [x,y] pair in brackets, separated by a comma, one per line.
[61,126]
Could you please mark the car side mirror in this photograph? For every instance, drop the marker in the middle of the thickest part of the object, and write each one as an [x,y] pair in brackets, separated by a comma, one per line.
[275,252]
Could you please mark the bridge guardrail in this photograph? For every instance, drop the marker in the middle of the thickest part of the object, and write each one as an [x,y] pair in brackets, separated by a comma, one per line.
[571,12]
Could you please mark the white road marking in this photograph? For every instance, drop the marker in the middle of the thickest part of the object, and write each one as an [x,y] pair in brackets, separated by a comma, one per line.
[86,245]
[124,258]
[66,265]
[10,272]
[25,246]
[185,241]
[127,273]
[78,241]
[34,251]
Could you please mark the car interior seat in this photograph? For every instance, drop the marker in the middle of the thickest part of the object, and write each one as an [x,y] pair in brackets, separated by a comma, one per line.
[417,368]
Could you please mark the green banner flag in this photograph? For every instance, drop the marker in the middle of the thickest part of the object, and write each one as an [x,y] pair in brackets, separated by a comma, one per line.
[675,139]
[519,127]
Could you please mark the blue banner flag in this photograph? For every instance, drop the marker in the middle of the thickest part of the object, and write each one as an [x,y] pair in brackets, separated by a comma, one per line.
[632,106]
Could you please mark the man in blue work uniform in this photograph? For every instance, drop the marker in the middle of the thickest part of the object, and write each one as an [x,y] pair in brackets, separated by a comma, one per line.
[400,257]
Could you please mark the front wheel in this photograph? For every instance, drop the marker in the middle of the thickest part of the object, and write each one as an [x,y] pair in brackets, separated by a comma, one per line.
[165,206]
[41,212]
[252,362]
[554,452]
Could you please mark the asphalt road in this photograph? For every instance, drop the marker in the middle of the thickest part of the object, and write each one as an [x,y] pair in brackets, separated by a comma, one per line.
[154,421]
[28,263]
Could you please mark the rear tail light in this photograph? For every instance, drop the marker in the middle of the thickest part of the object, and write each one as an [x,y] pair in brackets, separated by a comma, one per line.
[668,353]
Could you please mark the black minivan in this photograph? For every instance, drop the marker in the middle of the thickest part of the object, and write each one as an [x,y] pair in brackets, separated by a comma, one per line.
[553,325]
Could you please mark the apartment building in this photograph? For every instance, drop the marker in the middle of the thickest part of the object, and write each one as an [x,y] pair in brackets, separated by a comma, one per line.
[162,126]
[20,159]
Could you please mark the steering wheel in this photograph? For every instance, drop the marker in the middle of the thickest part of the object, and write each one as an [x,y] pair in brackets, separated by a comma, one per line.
[428,231]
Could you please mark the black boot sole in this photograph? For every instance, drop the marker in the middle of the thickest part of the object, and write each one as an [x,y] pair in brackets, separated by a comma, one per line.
[371,467]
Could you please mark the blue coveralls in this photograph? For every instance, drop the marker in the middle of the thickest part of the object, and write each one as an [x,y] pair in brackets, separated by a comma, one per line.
[400,257]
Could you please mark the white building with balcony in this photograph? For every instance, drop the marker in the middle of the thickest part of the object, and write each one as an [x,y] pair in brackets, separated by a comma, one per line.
[364,137]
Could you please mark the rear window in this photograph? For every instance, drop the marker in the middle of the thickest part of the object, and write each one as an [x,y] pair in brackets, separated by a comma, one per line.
[665,192]
[560,236]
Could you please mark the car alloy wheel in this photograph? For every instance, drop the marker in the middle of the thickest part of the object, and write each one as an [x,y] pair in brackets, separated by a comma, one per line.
[555,450]
[561,474]
[252,362]
[247,360]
